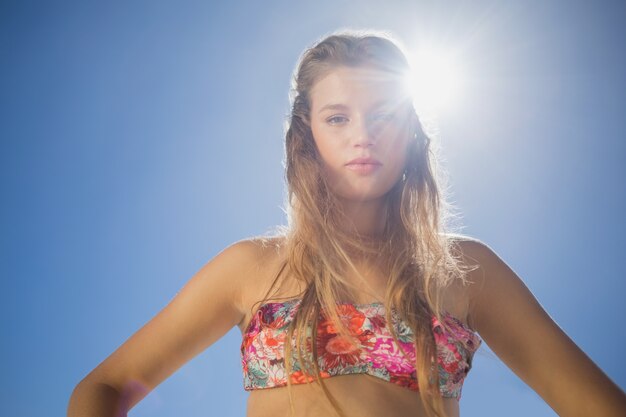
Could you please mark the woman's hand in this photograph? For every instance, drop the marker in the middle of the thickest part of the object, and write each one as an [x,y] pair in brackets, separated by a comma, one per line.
[515,326]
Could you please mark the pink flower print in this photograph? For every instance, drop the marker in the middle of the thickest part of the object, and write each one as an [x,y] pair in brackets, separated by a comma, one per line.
[387,355]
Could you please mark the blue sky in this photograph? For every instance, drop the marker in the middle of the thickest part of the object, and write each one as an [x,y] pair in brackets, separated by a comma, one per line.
[140,138]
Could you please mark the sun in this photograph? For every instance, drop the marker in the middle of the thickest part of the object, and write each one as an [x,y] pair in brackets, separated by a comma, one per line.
[436,80]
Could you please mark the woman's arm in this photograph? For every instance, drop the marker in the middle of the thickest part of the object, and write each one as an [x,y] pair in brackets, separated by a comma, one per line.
[205,309]
[515,326]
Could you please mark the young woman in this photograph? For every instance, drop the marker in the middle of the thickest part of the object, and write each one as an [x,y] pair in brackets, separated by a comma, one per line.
[365,305]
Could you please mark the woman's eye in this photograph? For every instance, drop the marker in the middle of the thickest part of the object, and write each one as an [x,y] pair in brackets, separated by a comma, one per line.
[335,120]
[383,116]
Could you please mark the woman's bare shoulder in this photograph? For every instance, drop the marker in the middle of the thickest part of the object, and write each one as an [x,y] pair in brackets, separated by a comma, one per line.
[488,277]
[463,239]
[471,254]
[260,259]
[471,251]
[244,258]
[255,252]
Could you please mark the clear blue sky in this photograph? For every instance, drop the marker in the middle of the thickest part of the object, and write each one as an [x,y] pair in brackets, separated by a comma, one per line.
[139,138]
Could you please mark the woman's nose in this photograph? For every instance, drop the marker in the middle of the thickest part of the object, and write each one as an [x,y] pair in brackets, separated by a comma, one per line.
[363,134]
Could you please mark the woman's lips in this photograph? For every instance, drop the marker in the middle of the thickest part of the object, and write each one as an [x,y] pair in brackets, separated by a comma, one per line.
[363,165]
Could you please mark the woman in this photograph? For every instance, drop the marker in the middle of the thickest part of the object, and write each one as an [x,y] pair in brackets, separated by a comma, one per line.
[399,304]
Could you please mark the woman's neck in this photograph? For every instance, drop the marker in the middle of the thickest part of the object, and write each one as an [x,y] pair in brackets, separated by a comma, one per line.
[367,218]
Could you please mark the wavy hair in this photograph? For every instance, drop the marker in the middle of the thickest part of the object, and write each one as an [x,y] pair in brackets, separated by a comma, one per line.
[419,259]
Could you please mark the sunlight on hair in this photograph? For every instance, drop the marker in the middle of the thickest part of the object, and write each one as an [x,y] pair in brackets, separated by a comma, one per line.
[436,80]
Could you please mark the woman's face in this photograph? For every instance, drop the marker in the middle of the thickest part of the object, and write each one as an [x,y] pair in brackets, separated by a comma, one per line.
[359,120]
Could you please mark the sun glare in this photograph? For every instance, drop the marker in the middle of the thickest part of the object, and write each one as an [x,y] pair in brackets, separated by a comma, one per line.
[436,80]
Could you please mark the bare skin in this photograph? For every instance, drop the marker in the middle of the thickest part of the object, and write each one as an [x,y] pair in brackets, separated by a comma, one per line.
[223,293]
[501,309]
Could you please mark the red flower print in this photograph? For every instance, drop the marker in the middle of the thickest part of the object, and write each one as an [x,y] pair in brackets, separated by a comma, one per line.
[448,358]
[337,351]
[273,344]
[340,345]
[299,377]
[405,380]
[378,322]
[272,315]
[352,318]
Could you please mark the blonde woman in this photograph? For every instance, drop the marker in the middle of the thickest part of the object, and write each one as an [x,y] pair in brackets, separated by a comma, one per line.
[365,305]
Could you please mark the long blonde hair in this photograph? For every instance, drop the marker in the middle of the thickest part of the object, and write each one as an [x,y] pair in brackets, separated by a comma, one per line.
[419,258]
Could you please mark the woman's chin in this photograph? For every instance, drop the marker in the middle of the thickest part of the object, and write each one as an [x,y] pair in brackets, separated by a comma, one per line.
[360,196]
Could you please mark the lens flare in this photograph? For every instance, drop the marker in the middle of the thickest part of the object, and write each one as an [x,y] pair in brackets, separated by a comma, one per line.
[436,81]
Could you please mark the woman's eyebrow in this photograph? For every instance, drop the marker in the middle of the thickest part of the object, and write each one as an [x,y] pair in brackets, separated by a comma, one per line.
[377,105]
[333,107]
[391,104]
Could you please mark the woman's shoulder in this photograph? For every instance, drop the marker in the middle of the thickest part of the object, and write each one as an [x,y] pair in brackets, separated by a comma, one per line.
[471,251]
[488,276]
[461,238]
[259,260]
[248,258]
[474,257]
[256,250]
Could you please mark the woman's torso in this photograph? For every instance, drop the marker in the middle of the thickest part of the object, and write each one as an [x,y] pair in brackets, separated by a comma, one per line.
[358,395]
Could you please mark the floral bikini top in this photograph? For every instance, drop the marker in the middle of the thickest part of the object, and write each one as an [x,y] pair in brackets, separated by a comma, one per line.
[376,354]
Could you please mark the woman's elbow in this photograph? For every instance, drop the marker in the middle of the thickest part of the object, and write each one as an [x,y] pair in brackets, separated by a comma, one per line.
[95,399]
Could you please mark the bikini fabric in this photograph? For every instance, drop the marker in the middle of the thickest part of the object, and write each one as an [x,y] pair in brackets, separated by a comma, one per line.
[375,354]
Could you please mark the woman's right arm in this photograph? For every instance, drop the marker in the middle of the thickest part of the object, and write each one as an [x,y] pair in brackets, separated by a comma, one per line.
[203,311]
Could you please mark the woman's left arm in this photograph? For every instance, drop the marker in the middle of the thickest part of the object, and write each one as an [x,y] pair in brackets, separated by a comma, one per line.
[515,326]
